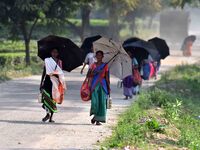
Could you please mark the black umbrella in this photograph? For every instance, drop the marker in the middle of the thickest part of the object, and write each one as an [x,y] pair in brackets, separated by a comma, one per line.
[161,47]
[131,40]
[141,49]
[87,43]
[191,38]
[70,54]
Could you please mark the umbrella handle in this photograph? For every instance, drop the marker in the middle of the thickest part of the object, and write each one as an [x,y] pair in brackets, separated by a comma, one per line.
[112,58]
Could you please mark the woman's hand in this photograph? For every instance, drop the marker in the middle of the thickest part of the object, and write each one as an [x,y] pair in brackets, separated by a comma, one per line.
[40,89]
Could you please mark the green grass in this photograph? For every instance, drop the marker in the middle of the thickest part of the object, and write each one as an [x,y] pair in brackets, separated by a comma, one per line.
[20,54]
[165,116]
[8,73]
[8,46]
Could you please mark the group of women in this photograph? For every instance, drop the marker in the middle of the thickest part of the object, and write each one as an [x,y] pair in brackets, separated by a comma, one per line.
[147,69]
[52,87]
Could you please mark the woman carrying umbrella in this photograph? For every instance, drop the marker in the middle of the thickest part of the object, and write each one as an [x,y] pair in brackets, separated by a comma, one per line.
[187,45]
[100,89]
[52,85]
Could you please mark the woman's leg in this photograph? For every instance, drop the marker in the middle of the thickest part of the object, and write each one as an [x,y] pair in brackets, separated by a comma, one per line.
[51,118]
[98,104]
[46,117]
[47,114]
[127,93]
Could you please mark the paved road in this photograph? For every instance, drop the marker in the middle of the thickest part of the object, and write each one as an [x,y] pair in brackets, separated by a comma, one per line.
[20,114]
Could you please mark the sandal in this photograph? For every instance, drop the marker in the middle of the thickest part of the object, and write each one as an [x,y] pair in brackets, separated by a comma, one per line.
[98,123]
[93,121]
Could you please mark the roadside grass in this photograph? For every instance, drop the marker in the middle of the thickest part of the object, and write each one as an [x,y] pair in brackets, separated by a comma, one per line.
[165,116]
[11,72]
[12,63]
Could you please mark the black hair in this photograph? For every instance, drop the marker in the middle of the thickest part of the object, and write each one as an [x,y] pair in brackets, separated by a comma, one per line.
[54,49]
[101,52]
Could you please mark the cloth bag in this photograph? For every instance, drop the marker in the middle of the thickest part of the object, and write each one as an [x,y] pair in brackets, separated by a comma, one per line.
[109,102]
[85,90]
[137,79]
[152,70]
[40,97]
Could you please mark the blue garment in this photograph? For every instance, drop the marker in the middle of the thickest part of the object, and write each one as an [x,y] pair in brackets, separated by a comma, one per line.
[146,71]
[134,62]
[97,78]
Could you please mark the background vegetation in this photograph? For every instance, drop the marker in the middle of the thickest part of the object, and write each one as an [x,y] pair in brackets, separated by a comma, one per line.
[23,22]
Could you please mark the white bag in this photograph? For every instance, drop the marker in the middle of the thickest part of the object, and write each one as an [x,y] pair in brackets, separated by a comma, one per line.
[109,102]
[40,98]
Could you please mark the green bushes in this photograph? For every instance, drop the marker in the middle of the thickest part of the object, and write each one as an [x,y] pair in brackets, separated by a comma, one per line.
[8,46]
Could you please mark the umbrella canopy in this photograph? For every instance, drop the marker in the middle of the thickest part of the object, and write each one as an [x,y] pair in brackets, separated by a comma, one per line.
[87,43]
[191,38]
[141,49]
[161,47]
[131,40]
[118,60]
[70,54]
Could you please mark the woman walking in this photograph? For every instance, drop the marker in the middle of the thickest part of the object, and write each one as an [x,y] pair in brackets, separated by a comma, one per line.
[100,89]
[52,85]
[128,84]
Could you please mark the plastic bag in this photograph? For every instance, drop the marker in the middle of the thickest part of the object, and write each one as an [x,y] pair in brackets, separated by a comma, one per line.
[85,90]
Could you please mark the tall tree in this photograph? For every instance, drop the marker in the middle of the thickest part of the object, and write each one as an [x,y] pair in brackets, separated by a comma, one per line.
[117,8]
[23,15]
[145,8]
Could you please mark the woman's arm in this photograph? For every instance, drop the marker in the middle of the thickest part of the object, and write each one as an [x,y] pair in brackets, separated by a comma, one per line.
[108,80]
[42,78]
[83,68]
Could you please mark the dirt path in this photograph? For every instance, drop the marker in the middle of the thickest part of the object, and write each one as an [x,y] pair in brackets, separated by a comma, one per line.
[20,114]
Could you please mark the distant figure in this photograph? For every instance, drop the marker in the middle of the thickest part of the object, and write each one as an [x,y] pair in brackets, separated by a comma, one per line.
[128,86]
[187,45]
[100,89]
[89,59]
[52,85]
[135,65]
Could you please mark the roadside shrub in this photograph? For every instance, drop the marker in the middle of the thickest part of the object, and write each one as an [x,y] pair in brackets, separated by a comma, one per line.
[154,125]
[173,110]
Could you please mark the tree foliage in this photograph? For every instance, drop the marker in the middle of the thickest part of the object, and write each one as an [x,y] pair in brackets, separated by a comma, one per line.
[23,15]
[180,3]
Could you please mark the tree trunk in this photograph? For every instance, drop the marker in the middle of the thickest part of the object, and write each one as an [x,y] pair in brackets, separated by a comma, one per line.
[150,21]
[85,16]
[113,21]
[27,51]
[27,37]
[26,42]
[133,26]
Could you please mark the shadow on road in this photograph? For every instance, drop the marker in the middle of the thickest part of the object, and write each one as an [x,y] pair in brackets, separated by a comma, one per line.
[41,123]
